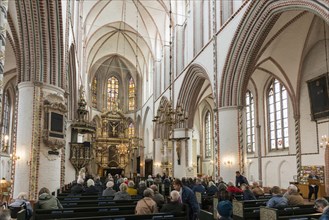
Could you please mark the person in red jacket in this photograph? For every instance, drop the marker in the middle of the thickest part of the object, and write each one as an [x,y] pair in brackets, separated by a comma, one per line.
[232,189]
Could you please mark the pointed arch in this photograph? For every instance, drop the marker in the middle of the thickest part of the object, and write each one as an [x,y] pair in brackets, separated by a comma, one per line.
[253,29]
[194,86]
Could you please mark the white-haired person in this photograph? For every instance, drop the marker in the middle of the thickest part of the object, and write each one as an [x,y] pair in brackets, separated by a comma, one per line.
[146,205]
[22,200]
[149,181]
[293,197]
[122,194]
[79,187]
[174,205]
[141,187]
[91,189]
[157,197]
[131,190]
[109,191]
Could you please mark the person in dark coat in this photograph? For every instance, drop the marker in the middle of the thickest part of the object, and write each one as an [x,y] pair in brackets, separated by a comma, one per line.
[313,189]
[78,188]
[174,205]
[247,193]
[189,198]
[212,189]
[239,179]
[91,189]
[199,187]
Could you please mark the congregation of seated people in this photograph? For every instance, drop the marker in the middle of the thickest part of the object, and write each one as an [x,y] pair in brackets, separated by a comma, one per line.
[177,196]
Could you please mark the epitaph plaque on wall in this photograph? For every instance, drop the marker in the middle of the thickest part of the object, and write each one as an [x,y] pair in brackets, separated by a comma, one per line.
[319,98]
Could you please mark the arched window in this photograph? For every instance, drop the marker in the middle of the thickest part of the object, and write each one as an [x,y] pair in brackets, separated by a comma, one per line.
[250,122]
[278,116]
[6,122]
[131,130]
[131,95]
[94,92]
[207,135]
[112,92]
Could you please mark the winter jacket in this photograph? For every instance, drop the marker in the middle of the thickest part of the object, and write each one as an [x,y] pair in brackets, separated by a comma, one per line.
[121,196]
[47,201]
[146,206]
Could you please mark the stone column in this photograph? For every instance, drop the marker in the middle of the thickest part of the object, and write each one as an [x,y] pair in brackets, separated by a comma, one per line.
[36,164]
[229,147]
[326,169]
[24,136]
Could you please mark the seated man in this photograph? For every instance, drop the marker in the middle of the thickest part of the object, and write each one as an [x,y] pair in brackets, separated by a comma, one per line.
[293,197]
[322,205]
[157,197]
[277,199]
[174,206]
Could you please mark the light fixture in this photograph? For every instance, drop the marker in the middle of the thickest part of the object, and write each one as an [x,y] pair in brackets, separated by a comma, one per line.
[324,138]
[228,162]
[14,157]
[324,141]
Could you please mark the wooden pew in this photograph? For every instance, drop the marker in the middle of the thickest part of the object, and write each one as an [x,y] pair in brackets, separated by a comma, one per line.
[248,209]
[157,216]
[66,213]
[295,212]
[92,203]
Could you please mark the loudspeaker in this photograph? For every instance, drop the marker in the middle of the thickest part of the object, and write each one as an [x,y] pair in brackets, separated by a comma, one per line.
[318,93]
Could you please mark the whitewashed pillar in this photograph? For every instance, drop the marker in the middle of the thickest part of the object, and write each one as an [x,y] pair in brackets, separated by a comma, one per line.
[229,142]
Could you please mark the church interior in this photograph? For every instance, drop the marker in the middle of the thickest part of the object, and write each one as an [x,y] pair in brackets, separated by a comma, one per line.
[183,88]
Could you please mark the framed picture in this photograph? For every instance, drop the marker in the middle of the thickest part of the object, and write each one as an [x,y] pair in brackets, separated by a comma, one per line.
[319,97]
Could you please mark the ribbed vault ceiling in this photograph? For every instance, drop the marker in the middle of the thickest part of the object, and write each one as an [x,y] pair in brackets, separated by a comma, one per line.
[135,30]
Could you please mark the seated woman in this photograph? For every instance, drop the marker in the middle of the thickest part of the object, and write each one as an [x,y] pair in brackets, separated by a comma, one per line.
[109,191]
[146,205]
[22,201]
[174,206]
[47,201]
[232,189]
[131,190]
[122,194]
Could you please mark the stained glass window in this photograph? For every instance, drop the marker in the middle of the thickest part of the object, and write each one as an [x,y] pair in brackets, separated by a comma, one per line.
[94,92]
[131,105]
[277,99]
[208,135]
[112,92]
[131,130]
[5,122]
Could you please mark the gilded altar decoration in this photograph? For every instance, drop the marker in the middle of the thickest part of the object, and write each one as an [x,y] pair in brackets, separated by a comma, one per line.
[112,142]
[54,121]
